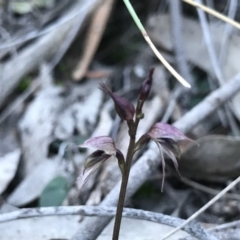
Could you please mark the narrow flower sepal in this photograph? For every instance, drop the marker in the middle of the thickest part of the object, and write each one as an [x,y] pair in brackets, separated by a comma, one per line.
[123,107]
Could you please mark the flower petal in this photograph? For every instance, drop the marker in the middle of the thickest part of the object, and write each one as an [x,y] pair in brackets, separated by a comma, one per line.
[103,143]
[163,163]
[172,156]
[171,145]
[164,130]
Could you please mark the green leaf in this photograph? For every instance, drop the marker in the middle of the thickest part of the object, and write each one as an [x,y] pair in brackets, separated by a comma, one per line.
[55,192]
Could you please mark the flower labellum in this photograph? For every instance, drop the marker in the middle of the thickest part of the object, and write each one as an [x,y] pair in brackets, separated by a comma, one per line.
[123,107]
[146,86]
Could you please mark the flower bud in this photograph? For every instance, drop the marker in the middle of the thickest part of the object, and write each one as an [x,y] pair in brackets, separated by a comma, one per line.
[146,86]
[123,107]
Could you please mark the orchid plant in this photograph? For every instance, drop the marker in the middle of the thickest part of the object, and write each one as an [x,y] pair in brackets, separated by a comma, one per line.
[164,135]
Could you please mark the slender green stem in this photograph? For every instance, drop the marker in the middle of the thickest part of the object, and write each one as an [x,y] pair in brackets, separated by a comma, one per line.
[134,16]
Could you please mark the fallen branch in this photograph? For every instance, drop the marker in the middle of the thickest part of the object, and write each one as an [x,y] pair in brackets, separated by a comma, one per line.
[142,170]
[194,229]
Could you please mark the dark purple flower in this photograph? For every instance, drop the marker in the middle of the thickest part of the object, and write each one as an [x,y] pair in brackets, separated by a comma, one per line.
[123,107]
[167,139]
[105,149]
[146,86]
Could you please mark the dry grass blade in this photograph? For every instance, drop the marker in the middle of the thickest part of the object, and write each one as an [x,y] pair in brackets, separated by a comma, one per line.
[95,33]
[152,46]
[165,62]
[213,12]
[196,214]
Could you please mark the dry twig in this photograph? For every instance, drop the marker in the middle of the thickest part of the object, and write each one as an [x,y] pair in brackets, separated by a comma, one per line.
[208,189]
[177,36]
[225,226]
[94,37]
[233,6]
[194,228]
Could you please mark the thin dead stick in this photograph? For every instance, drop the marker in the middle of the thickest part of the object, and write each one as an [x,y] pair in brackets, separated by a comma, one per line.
[194,229]
[214,13]
[227,31]
[225,226]
[149,161]
[206,206]
[210,4]
[208,189]
[177,37]
[94,37]
[152,46]
[216,66]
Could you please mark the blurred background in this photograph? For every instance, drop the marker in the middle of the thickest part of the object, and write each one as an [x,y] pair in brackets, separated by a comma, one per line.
[53,56]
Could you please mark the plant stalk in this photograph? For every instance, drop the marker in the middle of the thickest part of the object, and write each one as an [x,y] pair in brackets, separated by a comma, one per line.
[123,189]
[125,176]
